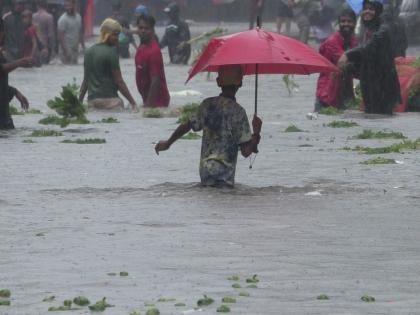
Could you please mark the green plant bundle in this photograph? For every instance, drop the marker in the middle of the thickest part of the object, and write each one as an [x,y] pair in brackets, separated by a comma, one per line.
[244,293]
[342,124]
[180,304]
[370,134]
[5,293]
[187,111]
[100,306]
[68,104]
[4,303]
[62,121]
[164,299]
[153,113]
[252,286]
[293,128]
[236,286]
[406,145]
[45,133]
[233,278]
[223,309]
[86,141]
[191,136]
[205,301]
[123,274]
[379,160]
[330,111]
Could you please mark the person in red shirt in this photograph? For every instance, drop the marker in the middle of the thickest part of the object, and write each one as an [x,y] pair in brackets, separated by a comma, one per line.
[30,45]
[336,89]
[150,73]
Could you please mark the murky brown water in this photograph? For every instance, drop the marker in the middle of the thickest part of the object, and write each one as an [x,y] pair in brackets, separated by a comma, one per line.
[308,218]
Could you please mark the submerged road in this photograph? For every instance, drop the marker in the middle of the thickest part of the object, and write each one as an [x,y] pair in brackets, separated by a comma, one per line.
[308,218]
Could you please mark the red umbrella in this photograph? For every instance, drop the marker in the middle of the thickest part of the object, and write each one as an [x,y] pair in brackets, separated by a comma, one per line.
[261,52]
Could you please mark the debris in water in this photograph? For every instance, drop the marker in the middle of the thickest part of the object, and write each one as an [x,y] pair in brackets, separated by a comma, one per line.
[254,279]
[322,297]
[252,286]
[370,134]
[4,303]
[379,160]
[313,193]
[163,299]
[180,305]
[152,311]
[367,298]
[228,299]
[233,278]
[45,133]
[153,113]
[205,301]
[81,301]
[342,124]
[236,286]
[244,293]
[5,293]
[330,111]
[85,141]
[123,274]
[100,306]
[223,309]
[109,120]
[293,128]
[49,298]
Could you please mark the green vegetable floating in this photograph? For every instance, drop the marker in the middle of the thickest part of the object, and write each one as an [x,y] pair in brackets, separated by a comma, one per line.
[205,301]
[223,309]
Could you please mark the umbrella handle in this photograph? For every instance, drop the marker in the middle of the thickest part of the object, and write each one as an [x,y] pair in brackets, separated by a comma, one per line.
[256,90]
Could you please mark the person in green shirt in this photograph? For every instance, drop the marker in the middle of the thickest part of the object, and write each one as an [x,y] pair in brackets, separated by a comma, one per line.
[102,74]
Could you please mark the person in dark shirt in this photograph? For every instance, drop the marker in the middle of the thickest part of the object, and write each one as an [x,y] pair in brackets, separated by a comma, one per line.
[7,92]
[126,37]
[177,33]
[13,25]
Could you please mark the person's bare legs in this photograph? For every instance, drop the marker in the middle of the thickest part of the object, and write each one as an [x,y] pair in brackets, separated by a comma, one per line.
[112,104]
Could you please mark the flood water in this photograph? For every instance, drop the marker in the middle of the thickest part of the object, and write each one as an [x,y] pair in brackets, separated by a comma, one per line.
[308,218]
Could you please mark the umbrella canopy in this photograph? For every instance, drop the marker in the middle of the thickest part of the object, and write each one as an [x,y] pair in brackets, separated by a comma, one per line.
[261,52]
[357,5]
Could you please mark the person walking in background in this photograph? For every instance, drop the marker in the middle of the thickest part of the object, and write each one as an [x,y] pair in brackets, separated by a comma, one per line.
[284,16]
[150,73]
[126,37]
[177,33]
[374,59]
[44,23]
[336,89]
[256,9]
[7,92]
[30,45]
[301,17]
[14,30]
[70,33]
[225,128]
[102,77]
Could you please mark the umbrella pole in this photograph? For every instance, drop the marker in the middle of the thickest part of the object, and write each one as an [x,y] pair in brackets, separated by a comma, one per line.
[256,89]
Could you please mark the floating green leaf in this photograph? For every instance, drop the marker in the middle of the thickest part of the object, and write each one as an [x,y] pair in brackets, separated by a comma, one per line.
[152,311]
[254,279]
[342,124]
[100,306]
[252,286]
[406,145]
[330,111]
[205,301]
[67,303]
[81,301]
[149,304]
[45,133]
[228,299]
[233,278]
[244,293]
[293,128]
[163,299]
[85,141]
[367,298]
[135,313]
[379,160]
[322,297]
[370,134]
[28,141]
[236,286]
[4,303]
[49,298]
[109,120]
[153,113]
[223,309]
[5,293]
[112,274]
[123,274]
[180,305]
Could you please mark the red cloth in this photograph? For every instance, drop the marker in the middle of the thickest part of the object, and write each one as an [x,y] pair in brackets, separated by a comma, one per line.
[329,84]
[149,63]
[29,35]
[409,78]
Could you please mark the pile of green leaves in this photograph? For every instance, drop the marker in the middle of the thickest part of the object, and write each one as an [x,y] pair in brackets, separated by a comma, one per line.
[100,306]
[109,120]
[370,134]
[4,297]
[205,301]
[62,121]
[153,113]
[45,133]
[187,111]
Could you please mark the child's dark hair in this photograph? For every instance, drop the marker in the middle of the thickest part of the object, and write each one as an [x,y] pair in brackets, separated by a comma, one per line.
[148,19]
